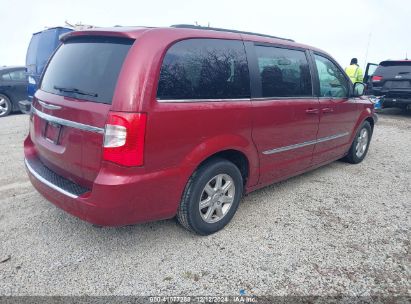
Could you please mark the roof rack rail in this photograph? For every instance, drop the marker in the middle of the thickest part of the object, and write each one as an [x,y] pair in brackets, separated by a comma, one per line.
[198,27]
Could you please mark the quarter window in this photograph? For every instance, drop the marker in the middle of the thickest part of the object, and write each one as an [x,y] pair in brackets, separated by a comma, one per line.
[283,72]
[204,69]
[332,80]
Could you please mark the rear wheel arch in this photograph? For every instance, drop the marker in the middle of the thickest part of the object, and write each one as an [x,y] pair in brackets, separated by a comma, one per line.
[237,157]
[2,93]
[232,147]
[8,96]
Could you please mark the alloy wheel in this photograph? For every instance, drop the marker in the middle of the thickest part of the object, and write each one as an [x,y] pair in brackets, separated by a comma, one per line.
[217,198]
[4,106]
[362,143]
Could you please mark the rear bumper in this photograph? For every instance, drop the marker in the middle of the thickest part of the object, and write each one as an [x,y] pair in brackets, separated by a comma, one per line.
[399,100]
[115,199]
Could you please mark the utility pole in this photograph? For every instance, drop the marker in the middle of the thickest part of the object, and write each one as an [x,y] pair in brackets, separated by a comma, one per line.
[366,52]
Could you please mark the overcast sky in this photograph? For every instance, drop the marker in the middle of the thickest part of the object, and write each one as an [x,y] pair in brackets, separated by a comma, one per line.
[342,28]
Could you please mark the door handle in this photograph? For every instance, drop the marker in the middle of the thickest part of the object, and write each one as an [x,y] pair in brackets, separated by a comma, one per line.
[312,111]
[327,110]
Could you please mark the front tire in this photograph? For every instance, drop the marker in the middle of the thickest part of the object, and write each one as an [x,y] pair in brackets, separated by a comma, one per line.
[360,145]
[211,197]
[5,105]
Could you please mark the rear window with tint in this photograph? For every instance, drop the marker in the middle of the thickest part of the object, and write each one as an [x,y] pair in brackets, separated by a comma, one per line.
[393,68]
[204,69]
[86,68]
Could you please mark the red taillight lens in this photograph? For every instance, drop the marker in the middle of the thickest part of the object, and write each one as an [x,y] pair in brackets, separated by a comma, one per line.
[124,138]
[376,78]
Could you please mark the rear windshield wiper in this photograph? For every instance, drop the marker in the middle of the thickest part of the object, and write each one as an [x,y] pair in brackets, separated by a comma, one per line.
[75,90]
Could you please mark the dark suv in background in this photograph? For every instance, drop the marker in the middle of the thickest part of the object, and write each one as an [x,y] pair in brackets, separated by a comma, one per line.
[392,79]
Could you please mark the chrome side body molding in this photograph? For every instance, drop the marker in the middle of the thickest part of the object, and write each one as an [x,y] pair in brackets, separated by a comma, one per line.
[304,144]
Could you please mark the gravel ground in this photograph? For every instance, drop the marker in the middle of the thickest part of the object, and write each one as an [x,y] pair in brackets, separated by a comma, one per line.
[341,229]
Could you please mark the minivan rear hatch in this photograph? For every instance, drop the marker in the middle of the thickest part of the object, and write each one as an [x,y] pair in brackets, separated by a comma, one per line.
[71,107]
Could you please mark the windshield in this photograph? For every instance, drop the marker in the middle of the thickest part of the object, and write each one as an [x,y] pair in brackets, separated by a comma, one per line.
[86,68]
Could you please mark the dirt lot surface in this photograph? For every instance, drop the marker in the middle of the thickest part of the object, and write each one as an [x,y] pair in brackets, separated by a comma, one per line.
[341,229]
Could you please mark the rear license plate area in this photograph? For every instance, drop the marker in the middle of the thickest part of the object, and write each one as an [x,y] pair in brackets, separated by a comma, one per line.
[400,84]
[52,132]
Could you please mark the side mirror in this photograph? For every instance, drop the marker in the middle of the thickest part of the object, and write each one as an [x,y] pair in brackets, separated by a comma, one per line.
[359,89]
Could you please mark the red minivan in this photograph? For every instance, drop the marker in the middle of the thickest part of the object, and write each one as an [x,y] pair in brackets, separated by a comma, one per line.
[138,124]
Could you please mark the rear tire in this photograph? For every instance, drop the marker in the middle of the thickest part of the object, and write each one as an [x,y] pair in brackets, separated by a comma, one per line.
[360,145]
[5,105]
[211,197]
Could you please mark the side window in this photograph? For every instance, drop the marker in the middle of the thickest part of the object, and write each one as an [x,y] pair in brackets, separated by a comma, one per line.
[284,72]
[6,76]
[204,69]
[18,75]
[332,80]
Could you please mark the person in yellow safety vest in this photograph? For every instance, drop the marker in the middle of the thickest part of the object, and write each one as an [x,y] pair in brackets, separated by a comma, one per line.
[354,71]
